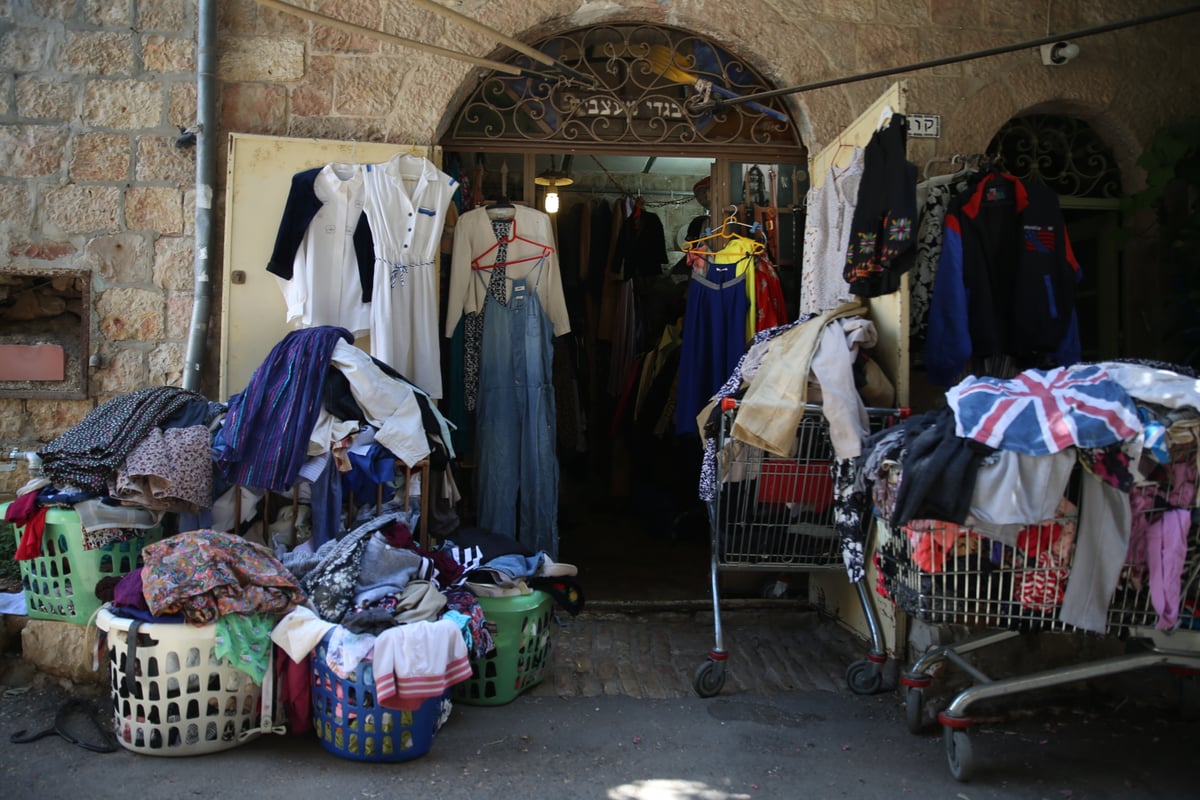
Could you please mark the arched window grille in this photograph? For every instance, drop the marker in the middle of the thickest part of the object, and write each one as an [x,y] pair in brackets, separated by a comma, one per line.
[1059,151]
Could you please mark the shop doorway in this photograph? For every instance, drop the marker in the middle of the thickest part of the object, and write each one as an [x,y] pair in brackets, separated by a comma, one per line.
[628,481]
[1068,155]
[629,514]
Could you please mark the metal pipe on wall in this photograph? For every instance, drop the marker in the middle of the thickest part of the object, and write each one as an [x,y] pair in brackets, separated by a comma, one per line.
[206,149]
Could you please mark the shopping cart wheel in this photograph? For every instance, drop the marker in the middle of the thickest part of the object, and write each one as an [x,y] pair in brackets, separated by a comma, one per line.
[959,755]
[914,709]
[709,678]
[864,677]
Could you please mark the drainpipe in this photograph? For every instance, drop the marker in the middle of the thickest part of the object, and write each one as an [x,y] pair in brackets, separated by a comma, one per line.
[206,63]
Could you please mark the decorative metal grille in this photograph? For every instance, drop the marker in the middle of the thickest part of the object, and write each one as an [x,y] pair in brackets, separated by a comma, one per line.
[1060,151]
[648,82]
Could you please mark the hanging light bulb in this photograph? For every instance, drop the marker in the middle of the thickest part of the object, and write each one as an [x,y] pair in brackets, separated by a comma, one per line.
[552,179]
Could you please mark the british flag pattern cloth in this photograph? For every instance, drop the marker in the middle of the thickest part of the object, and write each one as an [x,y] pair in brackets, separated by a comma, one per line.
[1040,412]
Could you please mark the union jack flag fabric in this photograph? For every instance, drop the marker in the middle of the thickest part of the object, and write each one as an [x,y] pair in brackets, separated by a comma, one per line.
[1044,411]
[1039,238]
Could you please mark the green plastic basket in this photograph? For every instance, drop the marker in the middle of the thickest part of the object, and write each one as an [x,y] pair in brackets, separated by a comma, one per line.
[522,653]
[60,584]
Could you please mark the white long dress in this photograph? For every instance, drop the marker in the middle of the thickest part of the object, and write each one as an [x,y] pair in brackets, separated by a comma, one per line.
[406,202]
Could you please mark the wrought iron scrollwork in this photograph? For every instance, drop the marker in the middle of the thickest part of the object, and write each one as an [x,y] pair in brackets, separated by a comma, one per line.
[646,83]
[1061,152]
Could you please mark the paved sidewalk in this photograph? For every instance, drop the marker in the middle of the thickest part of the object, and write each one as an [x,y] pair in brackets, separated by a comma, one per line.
[617,718]
[653,652]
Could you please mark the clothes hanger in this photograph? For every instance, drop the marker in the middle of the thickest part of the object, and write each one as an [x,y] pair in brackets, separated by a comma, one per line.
[948,177]
[727,232]
[954,159]
[501,202]
[885,117]
[834,170]
[503,206]
[710,234]
[546,251]
[512,236]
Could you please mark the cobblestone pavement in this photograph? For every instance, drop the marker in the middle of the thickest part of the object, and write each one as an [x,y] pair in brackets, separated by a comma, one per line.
[653,652]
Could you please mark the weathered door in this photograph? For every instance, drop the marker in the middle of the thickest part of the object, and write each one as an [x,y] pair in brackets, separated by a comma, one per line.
[254,317]
[890,315]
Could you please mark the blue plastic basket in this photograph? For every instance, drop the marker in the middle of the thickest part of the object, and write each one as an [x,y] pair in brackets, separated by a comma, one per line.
[352,725]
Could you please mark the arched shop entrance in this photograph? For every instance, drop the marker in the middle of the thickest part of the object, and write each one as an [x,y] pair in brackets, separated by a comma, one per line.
[631,142]
[1068,155]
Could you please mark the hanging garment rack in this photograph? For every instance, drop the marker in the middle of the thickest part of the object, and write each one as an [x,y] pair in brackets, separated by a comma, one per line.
[715,103]
[498,66]
[675,195]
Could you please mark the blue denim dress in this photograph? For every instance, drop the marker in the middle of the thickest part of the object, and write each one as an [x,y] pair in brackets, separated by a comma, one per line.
[517,478]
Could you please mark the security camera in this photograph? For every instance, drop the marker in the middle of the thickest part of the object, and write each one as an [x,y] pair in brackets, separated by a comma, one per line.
[1059,53]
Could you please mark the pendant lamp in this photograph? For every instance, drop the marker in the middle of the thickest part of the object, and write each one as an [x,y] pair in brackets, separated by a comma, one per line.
[552,179]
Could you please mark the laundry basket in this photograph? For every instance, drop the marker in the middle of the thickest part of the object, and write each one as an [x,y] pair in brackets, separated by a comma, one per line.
[171,694]
[351,724]
[522,653]
[60,584]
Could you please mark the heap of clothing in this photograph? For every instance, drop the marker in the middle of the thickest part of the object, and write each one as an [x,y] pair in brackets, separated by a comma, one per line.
[375,595]
[163,449]
[317,414]
[128,462]
[1078,482]
[207,577]
[813,360]
[341,404]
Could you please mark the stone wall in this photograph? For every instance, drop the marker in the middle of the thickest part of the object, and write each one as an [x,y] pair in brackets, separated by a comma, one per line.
[90,95]
[93,94]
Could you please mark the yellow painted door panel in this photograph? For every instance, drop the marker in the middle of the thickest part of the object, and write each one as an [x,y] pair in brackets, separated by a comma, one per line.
[254,316]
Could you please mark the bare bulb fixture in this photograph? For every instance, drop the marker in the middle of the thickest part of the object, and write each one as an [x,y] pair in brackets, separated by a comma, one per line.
[552,179]
[1059,53]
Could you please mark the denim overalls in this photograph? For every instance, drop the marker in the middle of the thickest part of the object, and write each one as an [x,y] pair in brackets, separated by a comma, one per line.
[515,438]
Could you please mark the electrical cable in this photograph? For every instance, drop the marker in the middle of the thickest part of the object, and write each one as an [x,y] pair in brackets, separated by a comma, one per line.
[714,103]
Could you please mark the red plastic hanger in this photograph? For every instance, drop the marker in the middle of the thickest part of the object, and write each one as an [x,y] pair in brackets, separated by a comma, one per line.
[476,262]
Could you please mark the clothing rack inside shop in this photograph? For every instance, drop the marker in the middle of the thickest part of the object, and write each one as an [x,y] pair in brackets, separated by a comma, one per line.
[620,189]
[678,197]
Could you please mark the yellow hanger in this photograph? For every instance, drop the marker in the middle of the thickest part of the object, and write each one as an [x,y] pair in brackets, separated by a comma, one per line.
[727,232]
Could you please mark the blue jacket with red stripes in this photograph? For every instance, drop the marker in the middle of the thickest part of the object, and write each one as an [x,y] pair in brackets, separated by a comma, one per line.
[1006,280]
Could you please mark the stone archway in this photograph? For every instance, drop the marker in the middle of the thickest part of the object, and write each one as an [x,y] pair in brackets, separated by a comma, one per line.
[648,92]
[1067,154]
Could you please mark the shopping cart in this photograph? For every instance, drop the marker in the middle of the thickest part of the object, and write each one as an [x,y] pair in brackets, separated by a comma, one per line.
[775,514]
[944,574]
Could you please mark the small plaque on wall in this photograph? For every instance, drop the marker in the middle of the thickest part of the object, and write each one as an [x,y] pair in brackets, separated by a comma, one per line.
[925,126]
[32,362]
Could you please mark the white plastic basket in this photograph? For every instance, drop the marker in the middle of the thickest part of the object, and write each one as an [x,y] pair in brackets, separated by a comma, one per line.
[179,699]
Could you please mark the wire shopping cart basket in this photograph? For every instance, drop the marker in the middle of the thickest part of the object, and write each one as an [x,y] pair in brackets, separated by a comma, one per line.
[775,514]
[945,574]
